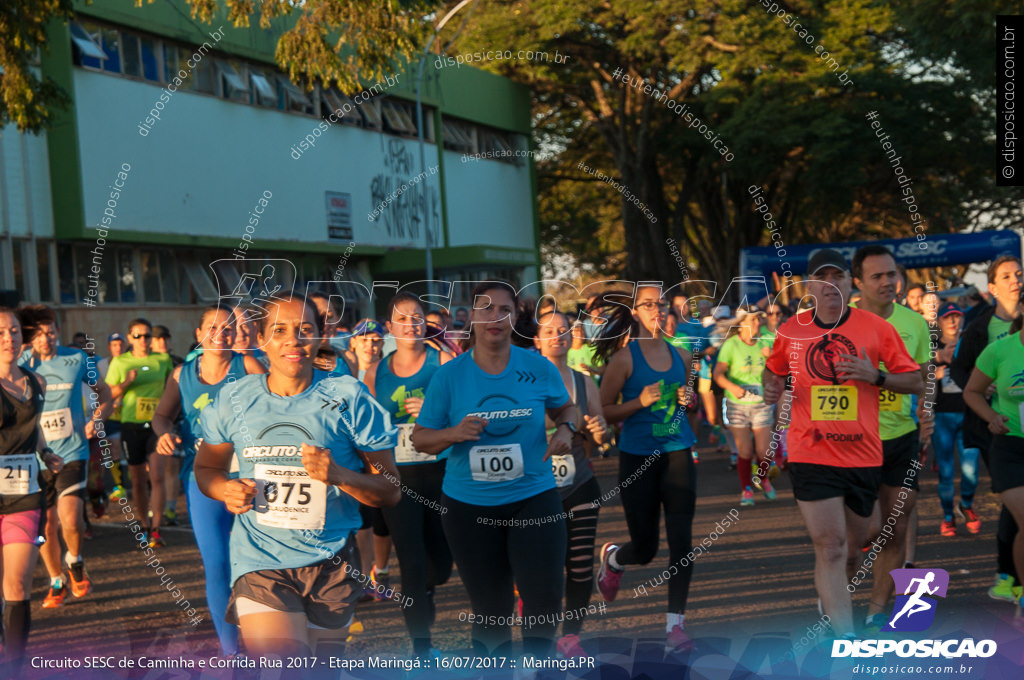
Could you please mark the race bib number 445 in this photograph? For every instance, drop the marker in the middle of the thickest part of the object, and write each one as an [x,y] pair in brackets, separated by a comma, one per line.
[833,402]
[56,424]
[287,498]
[501,463]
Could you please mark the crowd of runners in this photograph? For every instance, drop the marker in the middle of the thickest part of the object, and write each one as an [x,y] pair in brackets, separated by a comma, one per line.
[308,452]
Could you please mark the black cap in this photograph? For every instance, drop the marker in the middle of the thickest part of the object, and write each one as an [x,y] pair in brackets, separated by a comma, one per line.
[827,258]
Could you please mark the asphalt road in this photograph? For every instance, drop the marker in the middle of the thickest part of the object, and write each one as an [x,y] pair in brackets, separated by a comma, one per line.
[751,592]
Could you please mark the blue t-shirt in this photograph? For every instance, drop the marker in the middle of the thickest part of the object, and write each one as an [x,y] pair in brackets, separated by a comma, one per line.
[506,464]
[196,396]
[392,391]
[63,419]
[296,521]
[663,425]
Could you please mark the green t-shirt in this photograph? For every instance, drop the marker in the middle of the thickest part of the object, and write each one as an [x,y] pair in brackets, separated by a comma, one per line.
[142,396]
[582,359]
[1003,361]
[746,364]
[997,329]
[894,410]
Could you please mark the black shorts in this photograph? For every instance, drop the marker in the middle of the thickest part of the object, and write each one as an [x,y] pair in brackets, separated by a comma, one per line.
[70,481]
[373,518]
[1006,456]
[898,456]
[138,441]
[326,592]
[857,486]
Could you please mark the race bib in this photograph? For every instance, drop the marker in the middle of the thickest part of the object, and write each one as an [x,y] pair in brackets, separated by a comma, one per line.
[145,407]
[753,395]
[833,402]
[405,452]
[56,424]
[18,474]
[496,463]
[565,470]
[890,401]
[287,498]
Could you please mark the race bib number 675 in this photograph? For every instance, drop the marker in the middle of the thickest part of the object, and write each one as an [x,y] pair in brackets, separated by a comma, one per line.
[288,498]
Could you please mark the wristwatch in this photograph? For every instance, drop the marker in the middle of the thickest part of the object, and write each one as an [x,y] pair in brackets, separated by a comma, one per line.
[880,380]
[571,425]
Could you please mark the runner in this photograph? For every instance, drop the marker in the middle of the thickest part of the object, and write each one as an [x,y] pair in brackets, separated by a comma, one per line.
[738,372]
[191,389]
[301,439]
[172,470]
[67,433]
[505,522]
[138,378]
[245,334]
[1000,363]
[116,346]
[835,454]
[1005,283]
[875,275]
[948,440]
[399,383]
[653,379]
[575,478]
[22,399]
[332,354]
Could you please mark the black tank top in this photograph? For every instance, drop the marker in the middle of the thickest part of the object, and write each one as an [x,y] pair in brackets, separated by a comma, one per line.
[19,433]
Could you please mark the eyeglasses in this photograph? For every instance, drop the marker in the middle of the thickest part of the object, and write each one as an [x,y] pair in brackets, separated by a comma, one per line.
[136,336]
[652,305]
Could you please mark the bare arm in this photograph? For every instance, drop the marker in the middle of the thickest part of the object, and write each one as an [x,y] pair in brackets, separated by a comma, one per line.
[433,442]
[211,470]
[378,487]
[974,397]
[620,367]
[597,426]
[169,408]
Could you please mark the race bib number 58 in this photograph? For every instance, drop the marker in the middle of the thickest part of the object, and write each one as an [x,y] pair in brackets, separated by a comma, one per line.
[287,498]
[501,463]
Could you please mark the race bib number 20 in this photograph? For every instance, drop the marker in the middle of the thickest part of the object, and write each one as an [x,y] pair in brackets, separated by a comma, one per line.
[287,498]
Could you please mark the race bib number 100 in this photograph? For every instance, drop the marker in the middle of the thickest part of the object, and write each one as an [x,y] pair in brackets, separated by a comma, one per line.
[18,474]
[496,463]
[833,402]
[287,498]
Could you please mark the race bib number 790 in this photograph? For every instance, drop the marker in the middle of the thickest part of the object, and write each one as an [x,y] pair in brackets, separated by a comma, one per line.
[833,402]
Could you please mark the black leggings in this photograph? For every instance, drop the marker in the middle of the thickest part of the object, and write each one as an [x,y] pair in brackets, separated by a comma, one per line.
[521,542]
[669,480]
[579,559]
[423,555]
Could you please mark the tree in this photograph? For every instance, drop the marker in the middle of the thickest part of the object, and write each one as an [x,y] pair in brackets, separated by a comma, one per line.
[25,99]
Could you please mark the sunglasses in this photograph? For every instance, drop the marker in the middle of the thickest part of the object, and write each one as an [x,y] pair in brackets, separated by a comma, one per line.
[136,336]
[652,305]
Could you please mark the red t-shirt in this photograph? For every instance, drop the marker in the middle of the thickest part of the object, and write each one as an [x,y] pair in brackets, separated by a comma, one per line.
[835,422]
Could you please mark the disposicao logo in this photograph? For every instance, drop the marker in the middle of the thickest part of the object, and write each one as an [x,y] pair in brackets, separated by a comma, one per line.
[914,611]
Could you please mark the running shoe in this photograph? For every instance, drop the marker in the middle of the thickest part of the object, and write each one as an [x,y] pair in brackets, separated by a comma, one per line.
[355,628]
[733,458]
[170,517]
[969,517]
[1003,588]
[55,596]
[99,506]
[569,646]
[382,580]
[948,528]
[773,471]
[608,578]
[117,493]
[747,497]
[155,540]
[369,594]
[677,641]
[80,583]
[769,490]
[695,456]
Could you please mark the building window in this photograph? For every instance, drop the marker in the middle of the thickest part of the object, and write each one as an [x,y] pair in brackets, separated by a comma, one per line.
[150,60]
[459,136]
[86,39]
[397,117]
[112,48]
[126,275]
[263,91]
[43,270]
[66,274]
[295,100]
[233,82]
[132,60]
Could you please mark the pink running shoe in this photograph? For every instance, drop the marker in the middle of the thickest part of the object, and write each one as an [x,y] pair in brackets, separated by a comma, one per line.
[677,641]
[569,646]
[608,578]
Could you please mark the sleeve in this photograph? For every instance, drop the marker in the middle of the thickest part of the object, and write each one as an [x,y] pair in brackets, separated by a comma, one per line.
[369,426]
[168,367]
[922,352]
[556,396]
[214,427]
[777,361]
[115,374]
[892,350]
[437,401]
[988,361]
[725,354]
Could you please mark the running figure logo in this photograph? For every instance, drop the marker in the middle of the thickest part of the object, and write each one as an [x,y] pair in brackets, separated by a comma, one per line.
[914,610]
